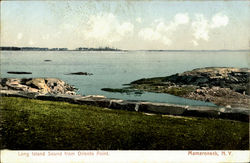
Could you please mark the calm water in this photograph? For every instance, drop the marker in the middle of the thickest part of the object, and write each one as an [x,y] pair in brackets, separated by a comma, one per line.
[113,69]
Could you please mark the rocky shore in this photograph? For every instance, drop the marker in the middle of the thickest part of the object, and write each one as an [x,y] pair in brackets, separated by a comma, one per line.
[57,90]
[39,86]
[228,87]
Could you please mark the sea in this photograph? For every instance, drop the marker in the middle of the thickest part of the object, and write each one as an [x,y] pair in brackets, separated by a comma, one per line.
[113,69]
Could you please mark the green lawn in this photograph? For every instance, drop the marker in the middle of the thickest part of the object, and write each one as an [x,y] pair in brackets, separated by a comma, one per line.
[35,124]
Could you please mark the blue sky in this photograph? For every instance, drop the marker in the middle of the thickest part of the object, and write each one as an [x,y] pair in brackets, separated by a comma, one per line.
[126,24]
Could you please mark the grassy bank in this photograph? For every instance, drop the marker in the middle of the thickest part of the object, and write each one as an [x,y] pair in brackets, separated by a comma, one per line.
[34,124]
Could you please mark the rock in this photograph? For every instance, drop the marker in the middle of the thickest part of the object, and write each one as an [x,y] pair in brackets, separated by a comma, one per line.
[14,84]
[70,93]
[3,87]
[162,108]
[18,72]
[80,73]
[37,85]
[122,105]
[11,82]
[32,90]
[58,86]
[95,96]
[220,85]
[201,80]
[125,90]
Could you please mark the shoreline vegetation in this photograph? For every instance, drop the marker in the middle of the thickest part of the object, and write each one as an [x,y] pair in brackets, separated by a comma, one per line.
[32,124]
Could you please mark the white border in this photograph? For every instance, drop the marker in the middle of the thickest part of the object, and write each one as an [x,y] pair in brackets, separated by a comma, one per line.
[79,156]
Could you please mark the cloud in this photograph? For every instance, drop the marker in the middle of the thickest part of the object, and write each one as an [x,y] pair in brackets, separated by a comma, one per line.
[181,18]
[149,34]
[46,37]
[67,26]
[31,42]
[106,28]
[162,31]
[219,20]
[195,43]
[201,26]
[125,28]
[19,36]
[138,20]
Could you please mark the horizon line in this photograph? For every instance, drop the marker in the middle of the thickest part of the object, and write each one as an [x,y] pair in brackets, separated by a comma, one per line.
[75,49]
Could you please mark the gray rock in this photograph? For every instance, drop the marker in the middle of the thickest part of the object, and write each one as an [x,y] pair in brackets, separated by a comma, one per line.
[18,72]
[79,73]
[233,85]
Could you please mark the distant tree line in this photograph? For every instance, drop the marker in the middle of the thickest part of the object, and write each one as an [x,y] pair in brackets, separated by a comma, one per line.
[10,48]
[32,49]
[98,49]
[57,49]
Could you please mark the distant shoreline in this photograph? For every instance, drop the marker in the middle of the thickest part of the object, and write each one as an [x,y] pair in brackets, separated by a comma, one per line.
[9,48]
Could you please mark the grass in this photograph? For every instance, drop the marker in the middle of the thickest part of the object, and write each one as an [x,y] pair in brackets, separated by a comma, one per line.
[35,124]
[180,91]
[158,88]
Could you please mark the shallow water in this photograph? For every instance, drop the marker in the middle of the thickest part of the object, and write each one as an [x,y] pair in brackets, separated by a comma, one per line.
[113,69]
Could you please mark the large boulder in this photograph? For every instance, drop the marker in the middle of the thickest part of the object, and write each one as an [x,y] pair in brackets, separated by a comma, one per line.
[39,83]
[59,86]
[14,84]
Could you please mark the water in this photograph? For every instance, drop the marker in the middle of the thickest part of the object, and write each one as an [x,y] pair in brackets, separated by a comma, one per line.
[113,69]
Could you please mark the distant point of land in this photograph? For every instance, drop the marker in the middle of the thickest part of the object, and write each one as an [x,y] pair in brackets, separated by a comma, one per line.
[12,48]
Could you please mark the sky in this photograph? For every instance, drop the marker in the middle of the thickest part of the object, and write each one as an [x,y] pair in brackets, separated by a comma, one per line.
[131,25]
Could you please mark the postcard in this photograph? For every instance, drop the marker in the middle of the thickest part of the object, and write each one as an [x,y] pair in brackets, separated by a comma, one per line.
[125,81]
